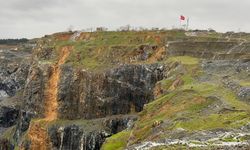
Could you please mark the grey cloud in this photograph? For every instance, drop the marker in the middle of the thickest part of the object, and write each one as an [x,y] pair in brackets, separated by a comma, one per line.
[34,18]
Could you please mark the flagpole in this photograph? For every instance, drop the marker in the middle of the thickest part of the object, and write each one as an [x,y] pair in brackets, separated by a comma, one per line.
[180,22]
[187,23]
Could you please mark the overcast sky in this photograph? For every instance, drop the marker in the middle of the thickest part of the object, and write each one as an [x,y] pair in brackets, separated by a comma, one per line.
[35,18]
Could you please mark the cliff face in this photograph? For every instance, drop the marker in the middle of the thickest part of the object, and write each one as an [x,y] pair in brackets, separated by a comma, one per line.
[13,73]
[92,95]
[81,88]
[219,50]
[118,91]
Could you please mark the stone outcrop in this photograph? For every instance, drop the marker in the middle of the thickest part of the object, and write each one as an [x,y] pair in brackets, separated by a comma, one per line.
[69,107]
[210,50]
[82,134]
[118,91]
[13,72]
[8,116]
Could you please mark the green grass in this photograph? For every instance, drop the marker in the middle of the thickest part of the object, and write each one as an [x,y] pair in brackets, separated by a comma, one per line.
[183,106]
[188,79]
[9,133]
[197,107]
[229,139]
[210,89]
[186,60]
[117,141]
[105,49]
[245,83]
[215,121]
[166,108]
[88,124]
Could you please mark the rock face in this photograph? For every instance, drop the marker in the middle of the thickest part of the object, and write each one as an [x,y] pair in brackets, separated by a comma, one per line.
[13,72]
[84,134]
[84,95]
[118,91]
[8,116]
[75,137]
[212,50]
[93,95]
[34,89]
[92,105]
[229,69]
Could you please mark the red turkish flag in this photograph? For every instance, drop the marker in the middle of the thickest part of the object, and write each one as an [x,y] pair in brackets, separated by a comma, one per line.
[182,17]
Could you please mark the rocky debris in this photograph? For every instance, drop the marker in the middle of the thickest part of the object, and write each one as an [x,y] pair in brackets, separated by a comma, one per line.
[202,140]
[226,66]
[223,70]
[244,93]
[190,145]
[210,50]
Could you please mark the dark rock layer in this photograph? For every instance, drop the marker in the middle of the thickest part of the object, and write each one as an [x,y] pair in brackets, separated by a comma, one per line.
[118,91]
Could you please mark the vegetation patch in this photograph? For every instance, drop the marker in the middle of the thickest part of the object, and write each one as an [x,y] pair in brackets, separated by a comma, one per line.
[186,60]
[86,125]
[117,141]
[9,133]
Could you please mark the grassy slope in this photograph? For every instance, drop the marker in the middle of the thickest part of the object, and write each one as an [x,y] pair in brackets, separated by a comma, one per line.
[100,50]
[182,107]
[189,106]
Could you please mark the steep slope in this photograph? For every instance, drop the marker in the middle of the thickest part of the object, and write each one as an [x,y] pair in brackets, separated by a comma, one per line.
[51,103]
[36,133]
[204,102]
[141,90]
[14,67]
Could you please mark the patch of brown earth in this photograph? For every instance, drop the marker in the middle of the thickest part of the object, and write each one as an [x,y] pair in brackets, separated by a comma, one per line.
[84,36]
[51,91]
[37,132]
[63,36]
[158,90]
[178,82]
[39,137]
[158,55]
